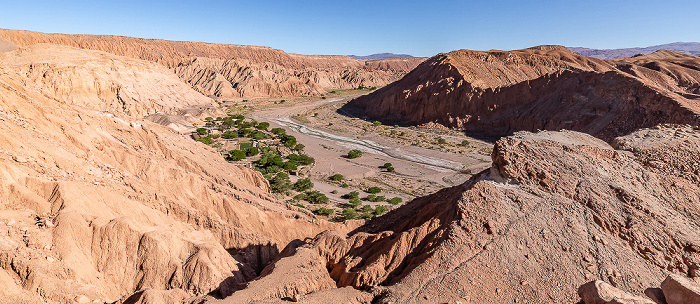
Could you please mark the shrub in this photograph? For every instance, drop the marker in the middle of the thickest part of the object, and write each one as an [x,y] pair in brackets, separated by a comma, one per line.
[299,147]
[289,141]
[316,197]
[355,202]
[206,140]
[441,141]
[395,201]
[324,211]
[386,165]
[278,131]
[374,190]
[263,125]
[377,123]
[353,194]
[229,135]
[337,177]
[280,183]
[344,185]
[290,166]
[202,131]
[465,143]
[366,215]
[349,214]
[303,184]
[334,192]
[209,119]
[251,151]
[371,198]
[246,145]
[367,208]
[380,210]
[300,196]
[354,154]
[237,155]
[301,159]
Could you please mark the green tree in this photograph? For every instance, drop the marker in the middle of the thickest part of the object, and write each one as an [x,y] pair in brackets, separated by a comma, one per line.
[380,210]
[251,151]
[263,125]
[349,214]
[206,140]
[352,194]
[374,190]
[395,201]
[303,184]
[324,211]
[280,183]
[202,131]
[316,197]
[354,154]
[337,177]
[236,155]
[278,131]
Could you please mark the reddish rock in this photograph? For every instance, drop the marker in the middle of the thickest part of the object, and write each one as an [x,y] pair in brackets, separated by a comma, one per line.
[680,290]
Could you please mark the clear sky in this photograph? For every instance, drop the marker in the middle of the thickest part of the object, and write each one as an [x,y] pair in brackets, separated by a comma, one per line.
[419,28]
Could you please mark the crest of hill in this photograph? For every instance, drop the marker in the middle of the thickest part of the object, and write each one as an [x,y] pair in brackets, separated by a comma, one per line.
[685,47]
[496,93]
[381,56]
[97,203]
[228,71]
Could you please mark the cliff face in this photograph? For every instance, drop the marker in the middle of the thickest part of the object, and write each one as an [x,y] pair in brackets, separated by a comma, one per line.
[556,210]
[233,71]
[544,88]
[97,203]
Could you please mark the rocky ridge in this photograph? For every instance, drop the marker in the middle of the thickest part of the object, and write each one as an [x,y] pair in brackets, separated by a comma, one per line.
[237,71]
[497,93]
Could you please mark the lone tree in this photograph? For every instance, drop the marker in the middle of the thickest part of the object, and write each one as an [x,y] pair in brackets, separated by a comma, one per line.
[354,154]
[303,184]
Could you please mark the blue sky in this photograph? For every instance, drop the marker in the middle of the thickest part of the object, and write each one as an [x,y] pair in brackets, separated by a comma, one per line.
[420,28]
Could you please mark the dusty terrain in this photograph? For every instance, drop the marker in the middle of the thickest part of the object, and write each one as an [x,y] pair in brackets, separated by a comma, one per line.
[237,71]
[543,88]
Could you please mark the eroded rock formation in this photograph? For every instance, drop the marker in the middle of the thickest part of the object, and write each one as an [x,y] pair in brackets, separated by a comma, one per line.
[97,203]
[497,93]
[236,71]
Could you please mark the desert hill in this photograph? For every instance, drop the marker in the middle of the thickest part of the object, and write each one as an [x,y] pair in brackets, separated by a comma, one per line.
[685,47]
[381,56]
[496,93]
[237,71]
[97,202]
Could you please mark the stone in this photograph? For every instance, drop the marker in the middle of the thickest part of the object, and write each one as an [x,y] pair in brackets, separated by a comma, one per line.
[599,292]
[680,290]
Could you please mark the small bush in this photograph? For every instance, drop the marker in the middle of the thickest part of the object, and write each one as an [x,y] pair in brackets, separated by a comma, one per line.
[377,123]
[395,201]
[251,151]
[280,183]
[337,177]
[441,141]
[324,211]
[374,190]
[354,154]
[237,155]
[229,135]
[334,192]
[263,125]
[366,215]
[202,131]
[209,119]
[380,210]
[349,214]
[299,147]
[355,202]
[344,185]
[316,197]
[303,184]
[278,131]
[205,140]
[465,143]
[353,194]
[367,208]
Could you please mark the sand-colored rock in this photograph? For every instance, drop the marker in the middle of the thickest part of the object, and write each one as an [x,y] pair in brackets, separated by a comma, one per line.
[497,93]
[133,205]
[680,290]
[599,292]
[233,71]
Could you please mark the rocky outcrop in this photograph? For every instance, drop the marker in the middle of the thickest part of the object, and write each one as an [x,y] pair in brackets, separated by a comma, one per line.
[98,203]
[497,93]
[599,292]
[237,71]
[556,210]
[680,290]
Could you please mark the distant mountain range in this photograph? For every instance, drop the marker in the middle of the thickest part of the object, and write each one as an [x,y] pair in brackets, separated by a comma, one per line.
[381,56]
[686,47]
